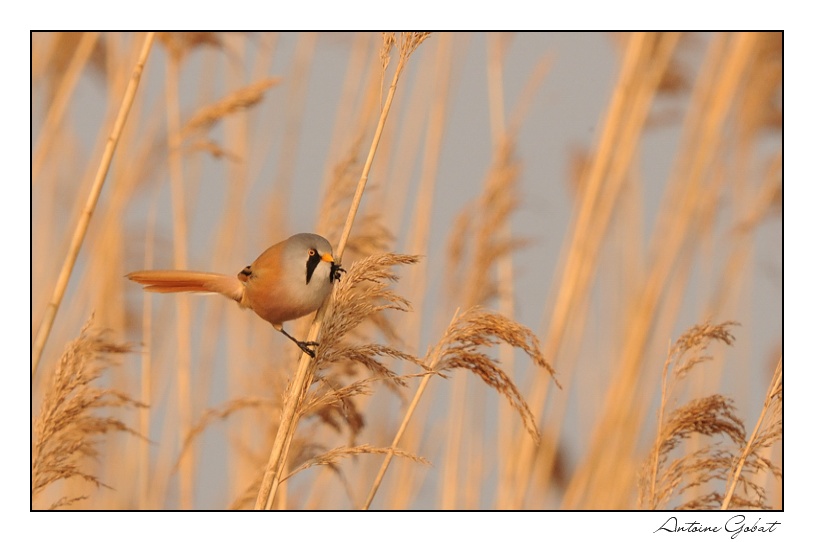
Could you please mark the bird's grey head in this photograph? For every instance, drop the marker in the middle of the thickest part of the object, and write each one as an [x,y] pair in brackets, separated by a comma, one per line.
[307,241]
[315,250]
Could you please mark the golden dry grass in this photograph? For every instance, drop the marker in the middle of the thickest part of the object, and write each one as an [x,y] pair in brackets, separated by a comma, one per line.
[67,431]
[712,416]
[426,355]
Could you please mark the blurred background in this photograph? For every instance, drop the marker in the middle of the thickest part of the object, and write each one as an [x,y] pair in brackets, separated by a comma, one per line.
[607,191]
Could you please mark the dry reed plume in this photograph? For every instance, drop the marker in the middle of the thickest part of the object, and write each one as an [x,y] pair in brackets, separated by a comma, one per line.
[460,348]
[692,475]
[72,417]
[476,329]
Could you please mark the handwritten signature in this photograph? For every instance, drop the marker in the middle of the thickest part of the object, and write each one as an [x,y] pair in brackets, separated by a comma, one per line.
[736,525]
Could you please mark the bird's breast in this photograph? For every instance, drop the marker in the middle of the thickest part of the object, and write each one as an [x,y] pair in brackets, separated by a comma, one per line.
[288,297]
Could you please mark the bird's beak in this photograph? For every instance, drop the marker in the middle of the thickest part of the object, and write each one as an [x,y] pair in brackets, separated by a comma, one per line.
[327,258]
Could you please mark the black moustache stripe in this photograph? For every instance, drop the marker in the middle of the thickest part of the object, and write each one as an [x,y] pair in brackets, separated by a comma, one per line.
[311,265]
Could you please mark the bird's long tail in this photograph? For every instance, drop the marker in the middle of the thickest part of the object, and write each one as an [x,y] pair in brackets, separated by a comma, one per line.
[167,282]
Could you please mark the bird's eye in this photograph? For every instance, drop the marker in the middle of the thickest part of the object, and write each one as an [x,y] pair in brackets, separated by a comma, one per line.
[311,252]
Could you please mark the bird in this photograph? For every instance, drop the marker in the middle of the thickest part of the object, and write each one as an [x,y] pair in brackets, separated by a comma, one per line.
[289,280]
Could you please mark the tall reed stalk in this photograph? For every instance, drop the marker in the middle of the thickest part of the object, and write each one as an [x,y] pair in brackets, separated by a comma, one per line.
[90,205]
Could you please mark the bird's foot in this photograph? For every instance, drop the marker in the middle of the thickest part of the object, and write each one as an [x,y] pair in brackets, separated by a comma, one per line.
[306,346]
[336,272]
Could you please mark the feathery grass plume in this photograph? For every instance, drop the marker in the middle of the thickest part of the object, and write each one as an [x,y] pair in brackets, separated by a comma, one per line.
[388,41]
[333,404]
[476,328]
[65,431]
[361,296]
[458,348]
[710,416]
[406,43]
[238,100]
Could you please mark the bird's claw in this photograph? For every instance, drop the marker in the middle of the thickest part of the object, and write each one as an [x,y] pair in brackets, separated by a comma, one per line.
[336,272]
[304,346]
